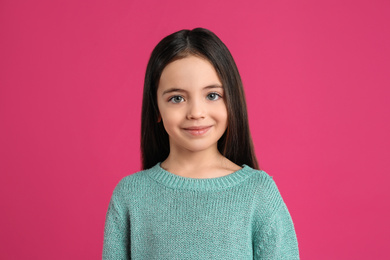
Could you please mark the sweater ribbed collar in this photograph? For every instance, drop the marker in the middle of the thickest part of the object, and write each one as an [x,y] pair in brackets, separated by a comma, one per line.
[179,182]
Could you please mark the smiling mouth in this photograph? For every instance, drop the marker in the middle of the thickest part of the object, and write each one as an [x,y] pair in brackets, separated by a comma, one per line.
[197,130]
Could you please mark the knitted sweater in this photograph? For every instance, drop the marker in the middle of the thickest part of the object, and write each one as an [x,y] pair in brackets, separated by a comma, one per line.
[155,214]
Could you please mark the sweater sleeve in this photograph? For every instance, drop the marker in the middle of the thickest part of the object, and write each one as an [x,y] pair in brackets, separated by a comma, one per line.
[277,239]
[116,243]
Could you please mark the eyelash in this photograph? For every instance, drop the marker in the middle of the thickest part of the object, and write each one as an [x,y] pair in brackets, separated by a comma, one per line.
[173,97]
[215,93]
[212,93]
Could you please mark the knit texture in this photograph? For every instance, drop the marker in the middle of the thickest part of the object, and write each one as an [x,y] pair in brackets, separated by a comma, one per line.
[155,214]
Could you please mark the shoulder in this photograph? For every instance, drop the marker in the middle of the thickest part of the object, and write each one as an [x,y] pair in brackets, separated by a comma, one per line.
[132,185]
[263,182]
[267,197]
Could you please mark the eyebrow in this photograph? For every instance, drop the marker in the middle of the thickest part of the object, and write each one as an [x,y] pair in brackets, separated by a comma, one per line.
[182,90]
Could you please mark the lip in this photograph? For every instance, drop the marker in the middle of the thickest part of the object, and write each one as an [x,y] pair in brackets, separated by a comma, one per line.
[197,130]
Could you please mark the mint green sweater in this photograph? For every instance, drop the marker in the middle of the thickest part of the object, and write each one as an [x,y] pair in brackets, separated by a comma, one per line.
[155,214]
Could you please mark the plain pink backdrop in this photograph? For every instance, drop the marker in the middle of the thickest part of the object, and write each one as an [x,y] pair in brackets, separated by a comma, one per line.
[316,76]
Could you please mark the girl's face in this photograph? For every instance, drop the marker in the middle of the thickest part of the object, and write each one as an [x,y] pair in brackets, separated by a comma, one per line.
[191,105]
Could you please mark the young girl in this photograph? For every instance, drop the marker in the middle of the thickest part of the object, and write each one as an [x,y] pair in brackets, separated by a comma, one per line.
[200,195]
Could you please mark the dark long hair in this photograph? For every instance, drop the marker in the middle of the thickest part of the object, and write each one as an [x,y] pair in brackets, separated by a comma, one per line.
[236,143]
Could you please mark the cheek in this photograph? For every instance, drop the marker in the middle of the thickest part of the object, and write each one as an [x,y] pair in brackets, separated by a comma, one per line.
[223,115]
[226,123]
[169,115]
[170,120]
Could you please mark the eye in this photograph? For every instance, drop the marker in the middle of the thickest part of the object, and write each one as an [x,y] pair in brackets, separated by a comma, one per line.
[176,99]
[213,96]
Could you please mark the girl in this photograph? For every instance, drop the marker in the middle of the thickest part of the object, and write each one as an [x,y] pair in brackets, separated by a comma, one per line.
[200,194]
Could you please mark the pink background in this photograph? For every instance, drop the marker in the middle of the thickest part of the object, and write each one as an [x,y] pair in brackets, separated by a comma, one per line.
[316,75]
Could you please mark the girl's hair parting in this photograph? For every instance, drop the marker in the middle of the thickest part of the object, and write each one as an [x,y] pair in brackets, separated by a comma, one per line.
[236,143]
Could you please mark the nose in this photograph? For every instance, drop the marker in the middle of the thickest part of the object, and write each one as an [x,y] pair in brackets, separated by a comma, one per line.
[196,110]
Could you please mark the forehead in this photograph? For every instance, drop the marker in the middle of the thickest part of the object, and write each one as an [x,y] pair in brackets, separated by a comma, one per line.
[189,72]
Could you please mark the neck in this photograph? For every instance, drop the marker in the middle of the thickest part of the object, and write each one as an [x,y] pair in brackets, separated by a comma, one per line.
[193,159]
[203,164]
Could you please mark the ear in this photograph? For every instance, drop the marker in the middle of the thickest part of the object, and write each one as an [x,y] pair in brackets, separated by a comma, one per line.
[159,118]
